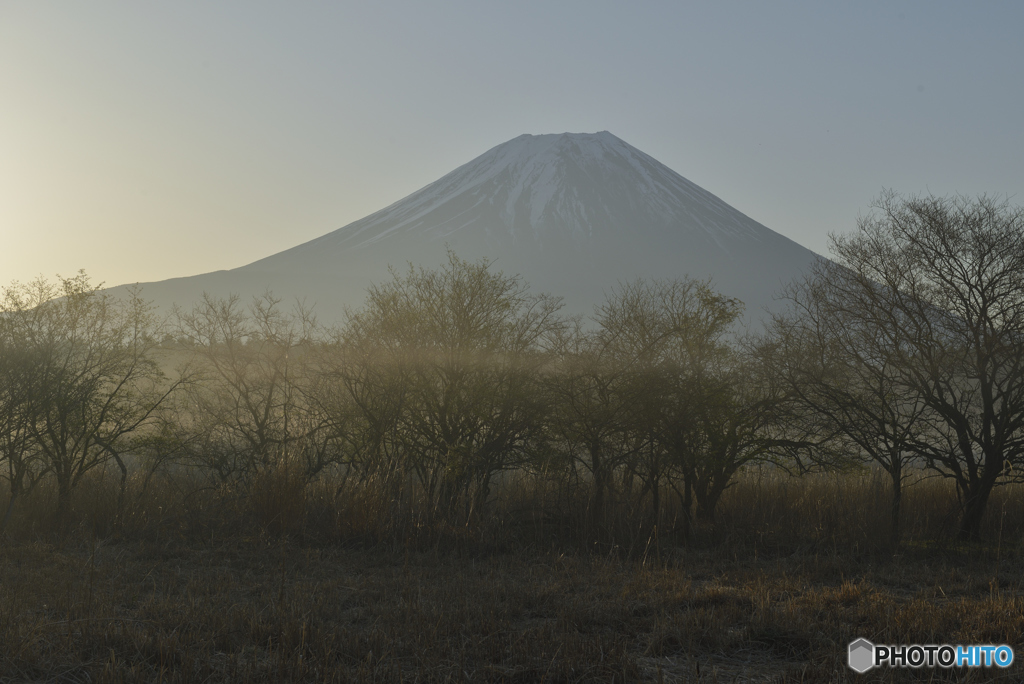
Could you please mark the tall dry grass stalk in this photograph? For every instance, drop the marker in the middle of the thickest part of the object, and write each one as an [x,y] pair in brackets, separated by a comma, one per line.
[766,510]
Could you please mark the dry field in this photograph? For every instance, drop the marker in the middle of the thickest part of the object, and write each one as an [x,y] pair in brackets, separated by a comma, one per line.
[772,592]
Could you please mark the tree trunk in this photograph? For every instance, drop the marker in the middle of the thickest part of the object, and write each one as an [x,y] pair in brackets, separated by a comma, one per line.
[656,500]
[707,500]
[976,494]
[447,498]
[7,513]
[975,500]
[597,504]
[483,494]
[63,501]
[122,487]
[894,511]
[16,483]
[685,504]
[706,513]
[597,499]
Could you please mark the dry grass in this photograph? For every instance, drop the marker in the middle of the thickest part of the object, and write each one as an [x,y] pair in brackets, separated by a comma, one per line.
[293,583]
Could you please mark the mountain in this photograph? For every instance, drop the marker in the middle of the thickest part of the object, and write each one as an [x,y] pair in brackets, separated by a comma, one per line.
[573,214]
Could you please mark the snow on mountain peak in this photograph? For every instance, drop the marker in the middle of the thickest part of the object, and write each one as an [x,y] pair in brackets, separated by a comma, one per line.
[533,188]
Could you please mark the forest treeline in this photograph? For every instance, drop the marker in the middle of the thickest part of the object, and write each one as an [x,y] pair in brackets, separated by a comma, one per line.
[905,352]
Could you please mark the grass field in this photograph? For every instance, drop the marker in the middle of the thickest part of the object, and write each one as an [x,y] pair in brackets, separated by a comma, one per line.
[292,589]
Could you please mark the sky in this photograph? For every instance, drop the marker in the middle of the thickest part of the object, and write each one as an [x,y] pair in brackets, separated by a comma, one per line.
[144,141]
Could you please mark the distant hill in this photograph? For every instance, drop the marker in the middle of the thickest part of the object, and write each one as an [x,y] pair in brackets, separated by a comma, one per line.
[573,214]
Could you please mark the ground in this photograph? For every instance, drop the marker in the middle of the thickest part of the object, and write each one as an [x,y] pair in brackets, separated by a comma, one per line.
[264,609]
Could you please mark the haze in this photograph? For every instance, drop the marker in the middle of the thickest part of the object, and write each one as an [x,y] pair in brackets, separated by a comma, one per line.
[145,142]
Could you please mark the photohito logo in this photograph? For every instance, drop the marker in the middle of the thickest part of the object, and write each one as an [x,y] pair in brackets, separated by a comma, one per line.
[864,655]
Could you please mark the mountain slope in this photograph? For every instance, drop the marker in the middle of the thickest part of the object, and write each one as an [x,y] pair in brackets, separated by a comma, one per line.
[572,213]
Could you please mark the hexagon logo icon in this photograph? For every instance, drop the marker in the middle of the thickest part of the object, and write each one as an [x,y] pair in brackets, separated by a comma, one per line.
[862,656]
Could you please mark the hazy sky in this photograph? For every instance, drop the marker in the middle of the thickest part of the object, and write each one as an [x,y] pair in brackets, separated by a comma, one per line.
[142,141]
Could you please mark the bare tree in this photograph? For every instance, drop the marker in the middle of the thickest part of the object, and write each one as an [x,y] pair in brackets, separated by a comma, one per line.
[671,336]
[935,288]
[464,344]
[591,401]
[852,399]
[248,411]
[360,390]
[19,398]
[88,378]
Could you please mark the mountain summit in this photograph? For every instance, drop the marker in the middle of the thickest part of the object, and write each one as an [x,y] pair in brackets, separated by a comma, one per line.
[572,213]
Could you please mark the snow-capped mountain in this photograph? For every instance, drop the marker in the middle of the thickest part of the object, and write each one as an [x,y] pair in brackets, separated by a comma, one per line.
[572,213]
